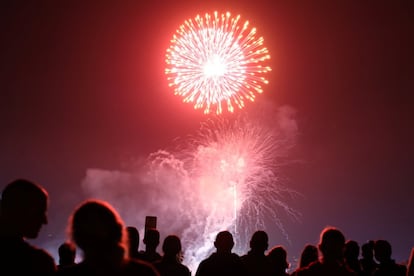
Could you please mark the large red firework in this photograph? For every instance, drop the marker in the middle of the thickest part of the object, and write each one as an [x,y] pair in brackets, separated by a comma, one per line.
[215,61]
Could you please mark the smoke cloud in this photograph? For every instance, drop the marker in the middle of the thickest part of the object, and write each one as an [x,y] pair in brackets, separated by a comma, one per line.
[225,177]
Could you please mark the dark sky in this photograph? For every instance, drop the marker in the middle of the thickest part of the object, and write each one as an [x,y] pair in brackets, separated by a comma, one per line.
[82,86]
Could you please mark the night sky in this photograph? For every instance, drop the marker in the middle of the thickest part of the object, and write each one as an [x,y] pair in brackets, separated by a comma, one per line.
[83,87]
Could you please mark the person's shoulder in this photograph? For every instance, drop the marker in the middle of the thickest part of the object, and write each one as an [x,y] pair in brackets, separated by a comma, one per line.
[402,269]
[41,253]
[210,258]
[235,255]
[173,269]
[141,267]
[75,269]
[42,259]
[185,269]
[310,269]
[205,264]
[21,256]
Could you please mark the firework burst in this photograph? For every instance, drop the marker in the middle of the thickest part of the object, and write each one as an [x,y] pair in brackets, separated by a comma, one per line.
[227,177]
[215,61]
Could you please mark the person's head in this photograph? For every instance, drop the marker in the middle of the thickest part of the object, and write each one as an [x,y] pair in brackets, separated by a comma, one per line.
[382,250]
[351,250]
[367,250]
[133,238]
[224,242]
[332,244]
[98,230]
[278,257]
[171,245]
[67,253]
[23,208]
[309,254]
[259,241]
[151,238]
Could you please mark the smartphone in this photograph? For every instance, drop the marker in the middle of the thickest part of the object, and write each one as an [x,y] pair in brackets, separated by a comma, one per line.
[150,222]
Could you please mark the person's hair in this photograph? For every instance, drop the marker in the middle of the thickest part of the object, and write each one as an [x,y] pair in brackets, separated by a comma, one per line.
[351,249]
[367,249]
[331,234]
[152,237]
[224,241]
[21,194]
[332,243]
[97,228]
[382,250]
[67,252]
[278,255]
[259,240]
[133,237]
[309,254]
[171,245]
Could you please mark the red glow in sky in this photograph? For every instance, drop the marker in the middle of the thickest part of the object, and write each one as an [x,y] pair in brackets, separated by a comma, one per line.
[83,86]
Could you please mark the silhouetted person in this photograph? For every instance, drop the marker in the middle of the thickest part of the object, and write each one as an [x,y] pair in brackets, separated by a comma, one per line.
[331,246]
[367,261]
[23,211]
[387,266]
[170,264]
[97,229]
[255,261]
[223,262]
[151,241]
[410,267]
[351,255]
[133,242]
[278,258]
[309,255]
[67,255]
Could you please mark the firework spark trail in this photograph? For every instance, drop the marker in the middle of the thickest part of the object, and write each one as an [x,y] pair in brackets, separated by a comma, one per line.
[191,189]
[216,59]
[226,159]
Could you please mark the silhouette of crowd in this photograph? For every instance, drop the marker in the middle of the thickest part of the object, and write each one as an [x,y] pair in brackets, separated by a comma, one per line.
[109,247]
